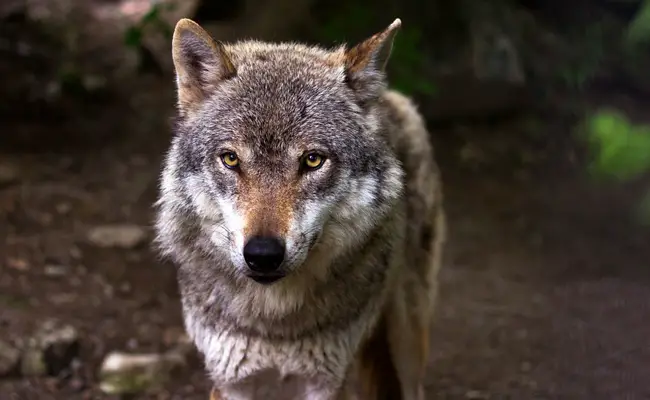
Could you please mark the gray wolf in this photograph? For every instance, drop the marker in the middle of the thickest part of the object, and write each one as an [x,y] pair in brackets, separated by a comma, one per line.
[303,207]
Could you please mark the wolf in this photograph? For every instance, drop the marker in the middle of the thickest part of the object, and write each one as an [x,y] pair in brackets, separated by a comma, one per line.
[302,205]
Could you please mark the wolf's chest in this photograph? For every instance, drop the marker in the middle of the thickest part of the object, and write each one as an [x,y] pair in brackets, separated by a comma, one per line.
[233,358]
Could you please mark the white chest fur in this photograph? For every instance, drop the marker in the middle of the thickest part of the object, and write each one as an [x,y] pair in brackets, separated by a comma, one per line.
[258,368]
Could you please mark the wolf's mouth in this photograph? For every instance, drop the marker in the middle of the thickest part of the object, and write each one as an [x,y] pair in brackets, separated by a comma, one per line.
[266,279]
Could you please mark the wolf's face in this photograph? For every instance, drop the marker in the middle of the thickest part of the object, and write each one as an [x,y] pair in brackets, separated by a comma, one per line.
[278,150]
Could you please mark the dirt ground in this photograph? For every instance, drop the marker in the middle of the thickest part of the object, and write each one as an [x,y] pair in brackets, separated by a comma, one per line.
[545,290]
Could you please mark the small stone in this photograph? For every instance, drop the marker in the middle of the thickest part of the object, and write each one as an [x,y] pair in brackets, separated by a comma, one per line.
[476,395]
[123,373]
[124,236]
[54,270]
[18,264]
[9,358]
[63,208]
[109,291]
[50,350]
[63,298]
[125,288]
[75,253]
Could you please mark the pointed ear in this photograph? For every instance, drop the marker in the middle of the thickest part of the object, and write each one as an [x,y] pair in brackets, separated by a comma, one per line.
[374,52]
[366,62]
[201,63]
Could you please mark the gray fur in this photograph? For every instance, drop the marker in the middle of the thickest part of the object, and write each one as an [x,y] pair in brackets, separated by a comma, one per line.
[363,233]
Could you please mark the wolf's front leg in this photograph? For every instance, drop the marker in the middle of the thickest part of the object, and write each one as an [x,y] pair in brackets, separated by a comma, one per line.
[408,339]
[215,395]
[313,391]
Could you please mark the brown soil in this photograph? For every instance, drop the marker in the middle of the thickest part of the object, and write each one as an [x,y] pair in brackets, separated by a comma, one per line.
[545,291]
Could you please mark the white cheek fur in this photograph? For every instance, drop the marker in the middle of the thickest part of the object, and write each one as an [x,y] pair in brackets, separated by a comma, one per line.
[225,224]
[233,221]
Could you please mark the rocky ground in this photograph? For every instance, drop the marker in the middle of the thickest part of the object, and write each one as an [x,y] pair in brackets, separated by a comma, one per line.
[545,291]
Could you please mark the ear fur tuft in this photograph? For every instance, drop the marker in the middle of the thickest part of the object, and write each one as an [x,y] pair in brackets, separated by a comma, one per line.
[373,52]
[365,63]
[201,63]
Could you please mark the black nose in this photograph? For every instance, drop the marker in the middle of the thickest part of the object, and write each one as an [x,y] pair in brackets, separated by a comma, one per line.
[264,254]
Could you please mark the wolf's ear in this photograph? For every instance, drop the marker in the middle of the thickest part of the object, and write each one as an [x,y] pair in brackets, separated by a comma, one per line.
[201,63]
[366,62]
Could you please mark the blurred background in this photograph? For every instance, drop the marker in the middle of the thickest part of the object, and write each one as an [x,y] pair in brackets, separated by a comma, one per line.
[538,111]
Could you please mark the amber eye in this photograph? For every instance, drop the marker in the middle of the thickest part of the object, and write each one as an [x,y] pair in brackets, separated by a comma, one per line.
[230,160]
[313,161]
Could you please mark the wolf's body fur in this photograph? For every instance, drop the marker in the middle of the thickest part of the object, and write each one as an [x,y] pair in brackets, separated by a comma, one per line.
[363,234]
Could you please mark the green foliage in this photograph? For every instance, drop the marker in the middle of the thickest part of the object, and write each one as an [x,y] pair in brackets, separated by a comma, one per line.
[577,77]
[621,149]
[353,20]
[151,20]
[407,64]
[585,66]
[638,32]
[592,48]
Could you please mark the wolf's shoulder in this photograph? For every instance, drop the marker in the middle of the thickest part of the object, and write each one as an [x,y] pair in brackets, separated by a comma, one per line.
[406,129]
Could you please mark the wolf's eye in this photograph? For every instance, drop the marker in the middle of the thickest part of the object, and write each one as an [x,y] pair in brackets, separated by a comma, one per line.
[313,161]
[230,160]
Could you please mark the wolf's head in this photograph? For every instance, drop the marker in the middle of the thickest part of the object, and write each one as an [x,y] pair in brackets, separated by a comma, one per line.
[279,155]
